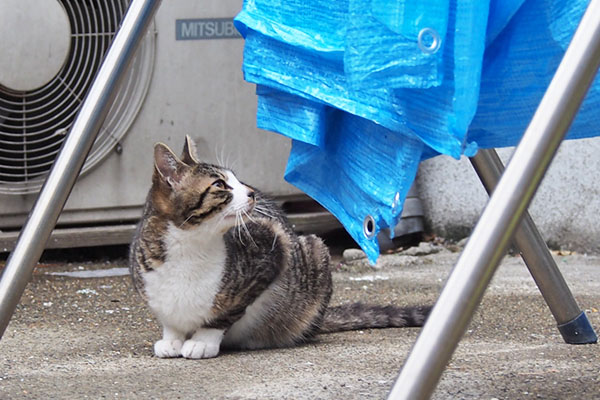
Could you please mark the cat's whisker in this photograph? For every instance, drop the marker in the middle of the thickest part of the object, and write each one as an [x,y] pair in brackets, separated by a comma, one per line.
[262,211]
[186,220]
[243,208]
[232,166]
[219,155]
[222,155]
[258,206]
[244,232]
[239,207]
[227,161]
[238,221]
[247,230]
[274,241]
[247,214]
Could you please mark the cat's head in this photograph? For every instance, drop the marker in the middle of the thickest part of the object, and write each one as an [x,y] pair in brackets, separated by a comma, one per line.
[190,193]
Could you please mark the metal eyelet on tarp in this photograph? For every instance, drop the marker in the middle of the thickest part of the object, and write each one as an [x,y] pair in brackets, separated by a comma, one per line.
[369,227]
[429,40]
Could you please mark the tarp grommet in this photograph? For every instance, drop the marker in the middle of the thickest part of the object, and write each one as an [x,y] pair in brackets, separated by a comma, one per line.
[369,227]
[429,40]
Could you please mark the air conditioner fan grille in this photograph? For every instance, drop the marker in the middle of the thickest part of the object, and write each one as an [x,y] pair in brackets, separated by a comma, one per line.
[33,124]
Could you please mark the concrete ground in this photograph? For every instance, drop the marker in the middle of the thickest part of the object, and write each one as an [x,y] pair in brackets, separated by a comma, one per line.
[77,337]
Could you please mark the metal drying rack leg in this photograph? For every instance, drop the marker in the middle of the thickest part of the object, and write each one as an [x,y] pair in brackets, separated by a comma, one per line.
[573,324]
[474,269]
[66,167]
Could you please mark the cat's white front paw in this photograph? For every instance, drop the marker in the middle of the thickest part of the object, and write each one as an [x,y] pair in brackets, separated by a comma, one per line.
[196,349]
[168,348]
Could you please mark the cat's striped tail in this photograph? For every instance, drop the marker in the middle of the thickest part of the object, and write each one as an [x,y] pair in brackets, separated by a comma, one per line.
[348,317]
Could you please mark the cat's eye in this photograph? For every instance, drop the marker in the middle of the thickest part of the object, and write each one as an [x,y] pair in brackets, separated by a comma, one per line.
[220,183]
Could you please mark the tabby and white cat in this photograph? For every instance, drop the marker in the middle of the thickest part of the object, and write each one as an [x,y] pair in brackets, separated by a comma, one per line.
[220,266]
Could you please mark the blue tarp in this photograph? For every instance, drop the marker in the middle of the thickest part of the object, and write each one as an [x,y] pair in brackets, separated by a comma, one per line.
[366,89]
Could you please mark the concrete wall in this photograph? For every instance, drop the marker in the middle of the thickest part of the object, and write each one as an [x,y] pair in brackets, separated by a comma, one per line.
[566,207]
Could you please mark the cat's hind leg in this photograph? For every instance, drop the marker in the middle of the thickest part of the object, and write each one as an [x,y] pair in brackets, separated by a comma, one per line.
[171,343]
[204,343]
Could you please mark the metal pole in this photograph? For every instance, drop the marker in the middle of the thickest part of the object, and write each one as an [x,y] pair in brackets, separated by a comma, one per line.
[572,322]
[527,238]
[477,263]
[66,167]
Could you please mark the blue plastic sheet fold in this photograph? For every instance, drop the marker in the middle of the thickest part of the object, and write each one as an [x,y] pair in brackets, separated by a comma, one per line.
[366,89]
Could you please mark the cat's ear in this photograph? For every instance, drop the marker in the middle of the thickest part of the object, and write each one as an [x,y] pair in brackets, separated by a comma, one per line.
[167,165]
[189,154]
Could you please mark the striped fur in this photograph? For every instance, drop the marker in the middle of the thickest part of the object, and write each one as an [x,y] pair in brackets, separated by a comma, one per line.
[354,316]
[220,266]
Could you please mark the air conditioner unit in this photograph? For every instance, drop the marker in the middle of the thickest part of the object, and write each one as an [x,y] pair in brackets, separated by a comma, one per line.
[186,79]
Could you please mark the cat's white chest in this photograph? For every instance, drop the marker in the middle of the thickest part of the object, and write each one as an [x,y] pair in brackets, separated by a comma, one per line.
[181,292]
